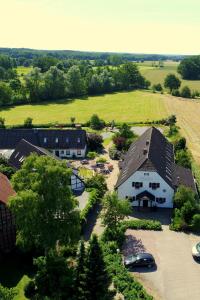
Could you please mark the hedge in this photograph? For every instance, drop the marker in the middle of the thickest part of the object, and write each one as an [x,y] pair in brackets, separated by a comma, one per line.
[92,201]
[142,224]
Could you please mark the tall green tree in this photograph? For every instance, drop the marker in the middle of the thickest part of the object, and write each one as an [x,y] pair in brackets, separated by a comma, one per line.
[54,277]
[44,207]
[55,83]
[98,280]
[172,82]
[81,274]
[76,84]
[114,210]
[33,82]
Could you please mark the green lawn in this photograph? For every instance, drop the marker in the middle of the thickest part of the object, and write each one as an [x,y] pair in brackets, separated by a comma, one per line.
[23,70]
[157,75]
[135,106]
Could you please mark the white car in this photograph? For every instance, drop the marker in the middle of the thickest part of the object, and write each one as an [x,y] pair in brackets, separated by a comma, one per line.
[196,251]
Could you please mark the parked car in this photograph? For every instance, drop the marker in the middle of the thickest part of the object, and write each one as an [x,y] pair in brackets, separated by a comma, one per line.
[100,165]
[139,260]
[104,171]
[84,162]
[196,251]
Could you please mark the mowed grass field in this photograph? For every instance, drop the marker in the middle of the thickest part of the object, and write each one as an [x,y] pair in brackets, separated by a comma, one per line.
[157,75]
[135,106]
[187,112]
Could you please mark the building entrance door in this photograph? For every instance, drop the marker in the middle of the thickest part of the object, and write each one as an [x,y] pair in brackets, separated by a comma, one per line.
[145,203]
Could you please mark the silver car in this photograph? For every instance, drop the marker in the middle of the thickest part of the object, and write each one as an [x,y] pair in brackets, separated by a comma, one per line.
[196,251]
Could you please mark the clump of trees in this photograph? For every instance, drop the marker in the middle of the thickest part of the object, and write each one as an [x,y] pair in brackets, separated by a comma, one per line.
[83,278]
[123,138]
[51,79]
[187,210]
[44,208]
[189,68]
[95,142]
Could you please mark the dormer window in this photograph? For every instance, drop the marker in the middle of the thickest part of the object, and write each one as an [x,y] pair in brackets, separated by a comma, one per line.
[45,140]
[56,140]
[67,140]
[78,140]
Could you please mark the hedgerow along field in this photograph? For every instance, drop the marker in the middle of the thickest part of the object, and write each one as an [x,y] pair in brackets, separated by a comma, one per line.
[157,75]
[135,106]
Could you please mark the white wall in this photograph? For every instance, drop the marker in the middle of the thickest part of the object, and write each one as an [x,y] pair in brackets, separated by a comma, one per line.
[164,191]
[72,152]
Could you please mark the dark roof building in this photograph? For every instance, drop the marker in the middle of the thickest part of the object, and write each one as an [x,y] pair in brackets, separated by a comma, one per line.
[151,152]
[25,149]
[46,138]
[149,173]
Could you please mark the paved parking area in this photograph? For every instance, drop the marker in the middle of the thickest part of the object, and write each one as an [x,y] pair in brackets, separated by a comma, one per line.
[177,275]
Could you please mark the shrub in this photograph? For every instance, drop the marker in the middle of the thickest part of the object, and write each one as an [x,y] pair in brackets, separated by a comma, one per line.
[96,123]
[2,122]
[176,93]
[185,92]
[95,141]
[97,182]
[142,224]
[183,158]
[92,155]
[114,153]
[196,222]
[157,87]
[101,160]
[180,144]
[28,123]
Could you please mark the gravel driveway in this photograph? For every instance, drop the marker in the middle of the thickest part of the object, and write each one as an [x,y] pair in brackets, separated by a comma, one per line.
[177,275]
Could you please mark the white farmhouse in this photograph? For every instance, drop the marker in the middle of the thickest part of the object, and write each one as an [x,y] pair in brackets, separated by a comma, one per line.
[149,177]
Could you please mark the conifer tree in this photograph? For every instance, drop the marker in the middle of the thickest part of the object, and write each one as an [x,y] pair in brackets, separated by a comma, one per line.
[80,279]
[97,276]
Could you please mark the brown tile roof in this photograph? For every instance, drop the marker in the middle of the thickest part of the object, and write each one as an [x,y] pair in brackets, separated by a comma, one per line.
[150,152]
[6,189]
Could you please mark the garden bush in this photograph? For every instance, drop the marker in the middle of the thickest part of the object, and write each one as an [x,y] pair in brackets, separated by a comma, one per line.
[92,201]
[92,155]
[142,224]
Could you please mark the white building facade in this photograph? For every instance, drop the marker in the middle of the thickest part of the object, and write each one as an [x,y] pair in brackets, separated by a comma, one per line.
[151,182]
[149,176]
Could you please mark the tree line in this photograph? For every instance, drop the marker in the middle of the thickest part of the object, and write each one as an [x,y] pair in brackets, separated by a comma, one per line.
[67,80]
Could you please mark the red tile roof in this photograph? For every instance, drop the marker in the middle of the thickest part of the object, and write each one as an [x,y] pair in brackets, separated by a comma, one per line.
[6,189]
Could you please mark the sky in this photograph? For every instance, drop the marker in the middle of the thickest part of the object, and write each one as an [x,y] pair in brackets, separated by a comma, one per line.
[134,26]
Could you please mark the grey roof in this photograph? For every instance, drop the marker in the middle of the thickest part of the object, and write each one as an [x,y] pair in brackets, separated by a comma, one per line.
[183,176]
[24,149]
[151,152]
[46,138]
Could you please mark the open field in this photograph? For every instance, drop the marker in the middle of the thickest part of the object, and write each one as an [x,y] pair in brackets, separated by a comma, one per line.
[187,112]
[157,75]
[136,106]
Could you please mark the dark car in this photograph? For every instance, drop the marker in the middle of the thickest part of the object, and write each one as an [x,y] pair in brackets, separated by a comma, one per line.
[139,260]
[84,162]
